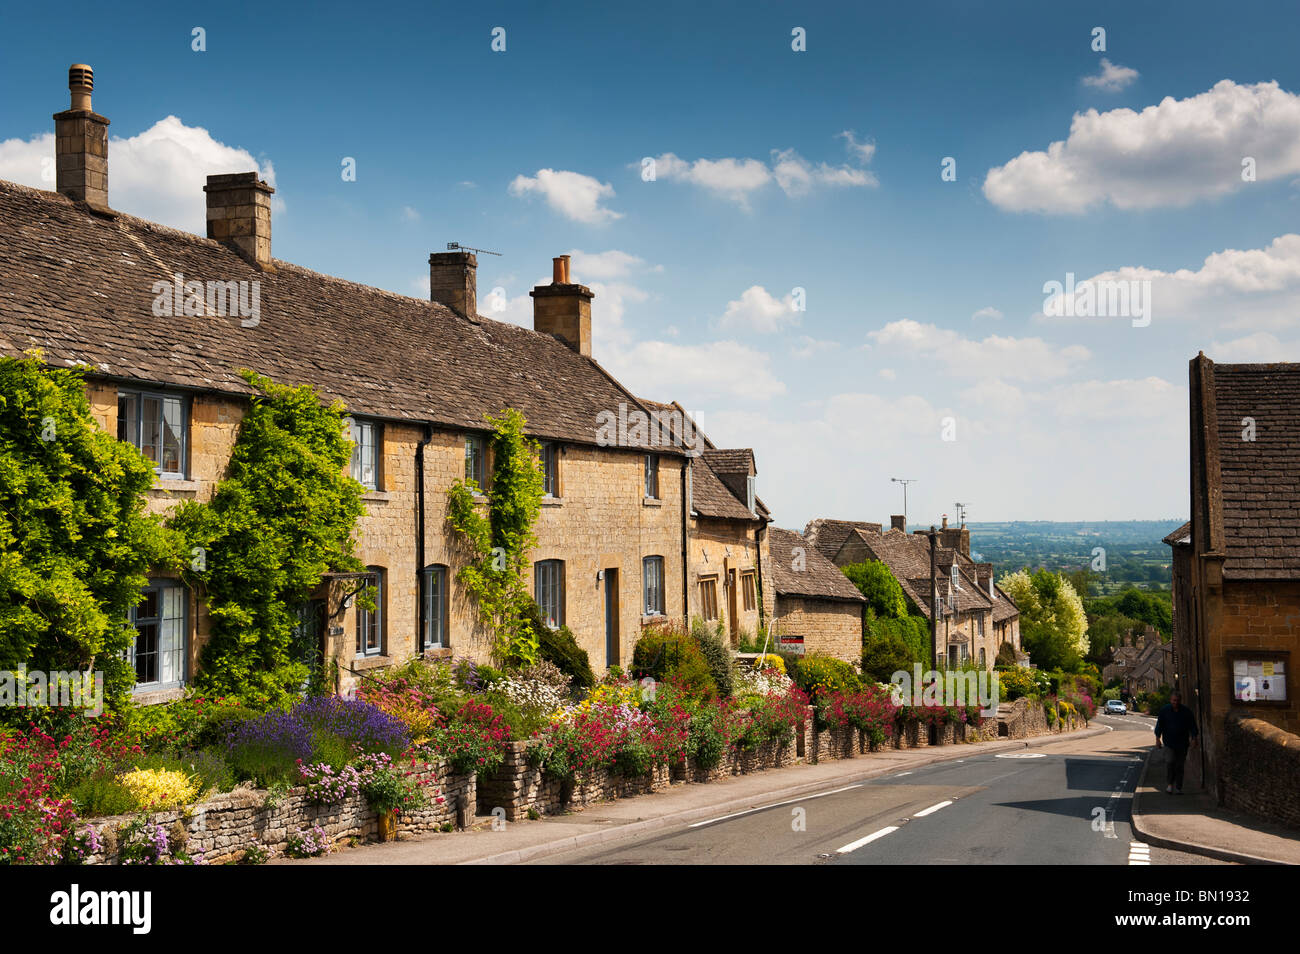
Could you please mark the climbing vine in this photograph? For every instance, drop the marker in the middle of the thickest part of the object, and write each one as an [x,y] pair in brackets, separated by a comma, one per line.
[501,539]
[283,517]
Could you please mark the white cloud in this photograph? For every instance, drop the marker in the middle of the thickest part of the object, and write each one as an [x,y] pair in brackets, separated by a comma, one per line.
[1111,78]
[736,180]
[1255,288]
[584,266]
[157,175]
[757,310]
[807,346]
[987,312]
[888,374]
[572,194]
[864,151]
[409,214]
[1258,348]
[1170,154]
[696,373]
[997,356]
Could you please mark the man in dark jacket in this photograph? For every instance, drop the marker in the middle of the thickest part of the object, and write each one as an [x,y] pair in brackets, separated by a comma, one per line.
[1176,726]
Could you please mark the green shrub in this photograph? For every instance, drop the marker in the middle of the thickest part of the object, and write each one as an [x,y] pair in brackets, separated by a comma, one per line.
[102,794]
[1006,658]
[706,740]
[1020,681]
[812,673]
[669,653]
[208,767]
[716,653]
[882,656]
[559,647]
[218,723]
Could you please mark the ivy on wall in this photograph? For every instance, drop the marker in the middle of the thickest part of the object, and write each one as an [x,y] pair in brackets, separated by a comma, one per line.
[501,539]
[75,541]
[283,516]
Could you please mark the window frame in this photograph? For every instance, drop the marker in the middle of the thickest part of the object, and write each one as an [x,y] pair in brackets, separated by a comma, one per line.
[708,590]
[376,575]
[357,427]
[478,442]
[651,473]
[751,495]
[434,607]
[749,590]
[656,563]
[542,581]
[549,452]
[181,652]
[137,440]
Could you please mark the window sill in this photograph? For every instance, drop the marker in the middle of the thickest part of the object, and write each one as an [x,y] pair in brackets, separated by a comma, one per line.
[437,652]
[364,663]
[552,501]
[166,486]
[153,697]
[376,496]
[652,502]
[653,618]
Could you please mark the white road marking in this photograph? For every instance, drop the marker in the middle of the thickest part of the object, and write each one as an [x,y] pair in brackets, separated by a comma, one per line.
[1139,853]
[900,774]
[855,845]
[1020,755]
[932,809]
[764,808]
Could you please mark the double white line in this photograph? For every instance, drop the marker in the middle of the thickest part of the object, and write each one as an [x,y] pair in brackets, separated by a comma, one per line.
[855,845]
[1139,853]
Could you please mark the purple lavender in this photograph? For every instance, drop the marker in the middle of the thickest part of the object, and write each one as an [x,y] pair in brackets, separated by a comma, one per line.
[366,727]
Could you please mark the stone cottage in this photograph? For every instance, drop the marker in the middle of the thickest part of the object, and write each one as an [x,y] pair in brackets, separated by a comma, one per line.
[816,610]
[82,283]
[1236,579]
[974,616]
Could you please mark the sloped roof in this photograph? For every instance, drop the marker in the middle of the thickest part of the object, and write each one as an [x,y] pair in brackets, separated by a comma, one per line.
[828,535]
[712,495]
[798,569]
[80,288]
[1182,535]
[1260,478]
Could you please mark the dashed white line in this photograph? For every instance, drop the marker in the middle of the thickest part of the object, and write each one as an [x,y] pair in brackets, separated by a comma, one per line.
[764,808]
[855,845]
[932,809]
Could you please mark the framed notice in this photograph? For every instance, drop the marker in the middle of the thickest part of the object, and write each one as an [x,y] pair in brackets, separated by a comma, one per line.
[1260,677]
[791,644]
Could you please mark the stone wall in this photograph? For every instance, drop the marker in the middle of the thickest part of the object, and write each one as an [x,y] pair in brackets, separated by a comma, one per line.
[224,828]
[1260,770]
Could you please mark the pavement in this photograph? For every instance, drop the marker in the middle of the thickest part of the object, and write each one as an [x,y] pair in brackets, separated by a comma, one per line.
[679,806]
[1193,821]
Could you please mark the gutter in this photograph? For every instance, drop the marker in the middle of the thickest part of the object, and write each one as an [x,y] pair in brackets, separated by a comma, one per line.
[686,516]
[419,537]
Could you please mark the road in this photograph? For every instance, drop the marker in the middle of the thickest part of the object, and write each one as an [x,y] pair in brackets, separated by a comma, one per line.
[1063,803]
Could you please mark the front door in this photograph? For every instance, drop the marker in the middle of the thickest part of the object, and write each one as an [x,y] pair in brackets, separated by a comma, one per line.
[611,618]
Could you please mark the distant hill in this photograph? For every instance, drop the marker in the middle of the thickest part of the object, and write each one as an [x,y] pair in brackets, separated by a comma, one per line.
[1133,551]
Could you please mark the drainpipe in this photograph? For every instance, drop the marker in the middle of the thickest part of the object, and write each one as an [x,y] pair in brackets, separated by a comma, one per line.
[419,537]
[936,607]
[686,516]
[759,534]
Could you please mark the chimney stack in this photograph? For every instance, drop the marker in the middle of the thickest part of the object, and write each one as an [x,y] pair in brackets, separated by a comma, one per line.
[563,309]
[239,216]
[897,522]
[984,575]
[453,281]
[81,144]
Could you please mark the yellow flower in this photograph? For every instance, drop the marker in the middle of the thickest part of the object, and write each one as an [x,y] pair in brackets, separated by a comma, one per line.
[160,788]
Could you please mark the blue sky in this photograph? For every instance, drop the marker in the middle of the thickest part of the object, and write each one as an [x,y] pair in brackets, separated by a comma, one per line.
[776,170]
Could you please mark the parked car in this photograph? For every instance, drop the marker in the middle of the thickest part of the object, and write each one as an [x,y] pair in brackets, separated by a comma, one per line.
[1116,707]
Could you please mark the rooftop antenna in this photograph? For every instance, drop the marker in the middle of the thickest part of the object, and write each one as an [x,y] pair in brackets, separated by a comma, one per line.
[456,246]
[904,482]
[961,513]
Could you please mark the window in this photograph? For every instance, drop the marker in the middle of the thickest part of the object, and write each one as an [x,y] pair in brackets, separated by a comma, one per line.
[365,452]
[652,585]
[748,590]
[474,459]
[750,499]
[652,476]
[956,577]
[709,598]
[370,623]
[156,425]
[551,469]
[158,654]
[983,665]
[548,590]
[980,623]
[435,607]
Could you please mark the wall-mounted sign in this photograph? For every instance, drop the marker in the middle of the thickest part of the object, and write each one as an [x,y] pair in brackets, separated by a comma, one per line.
[1259,677]
[791,644]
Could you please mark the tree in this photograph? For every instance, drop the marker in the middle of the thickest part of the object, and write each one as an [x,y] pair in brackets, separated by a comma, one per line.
[283,516]
[892,637]
[75,541]
[1053,625]
[884,655]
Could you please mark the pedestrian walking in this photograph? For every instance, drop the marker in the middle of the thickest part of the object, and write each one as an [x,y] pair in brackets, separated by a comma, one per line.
[1176,730]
